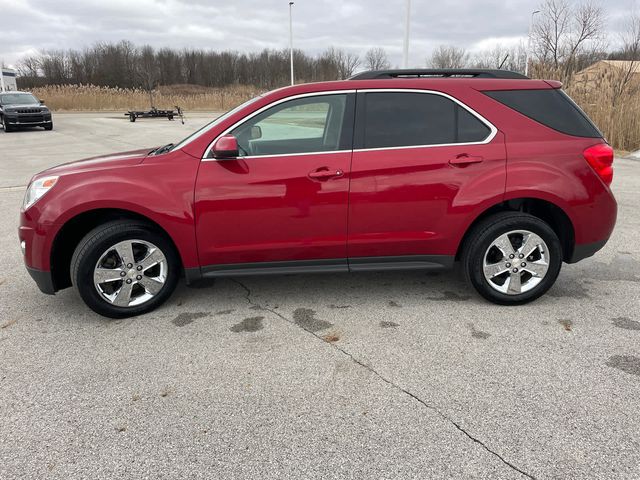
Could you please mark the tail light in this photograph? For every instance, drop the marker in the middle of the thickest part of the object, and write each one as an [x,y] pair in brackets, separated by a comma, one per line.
[600,157]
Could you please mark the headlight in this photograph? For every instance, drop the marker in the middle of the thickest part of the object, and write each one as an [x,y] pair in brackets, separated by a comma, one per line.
[37,189]
[10,110]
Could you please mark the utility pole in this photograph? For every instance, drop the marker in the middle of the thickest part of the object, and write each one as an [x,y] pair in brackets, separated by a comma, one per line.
[291,37]
[407,23]
[526,67]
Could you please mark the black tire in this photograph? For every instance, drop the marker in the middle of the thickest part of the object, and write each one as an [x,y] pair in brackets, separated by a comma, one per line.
[49,126]
[6,127]
[483,235]
[101,238]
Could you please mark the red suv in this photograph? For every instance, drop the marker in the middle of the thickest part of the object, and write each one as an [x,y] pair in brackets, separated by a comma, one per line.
[388,170]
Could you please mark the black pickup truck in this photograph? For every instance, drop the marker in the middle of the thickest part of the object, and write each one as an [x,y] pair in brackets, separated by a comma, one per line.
[22,109]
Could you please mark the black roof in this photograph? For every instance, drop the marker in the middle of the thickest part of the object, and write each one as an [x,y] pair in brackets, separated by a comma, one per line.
[436,72]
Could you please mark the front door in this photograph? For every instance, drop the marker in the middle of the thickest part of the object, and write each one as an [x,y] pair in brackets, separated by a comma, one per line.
[285,198]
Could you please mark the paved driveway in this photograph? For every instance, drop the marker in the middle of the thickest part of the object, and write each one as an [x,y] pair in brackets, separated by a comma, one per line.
[376,375]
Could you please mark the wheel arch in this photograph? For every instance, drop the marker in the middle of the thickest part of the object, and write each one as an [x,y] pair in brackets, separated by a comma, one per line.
[75,228]
[545,210]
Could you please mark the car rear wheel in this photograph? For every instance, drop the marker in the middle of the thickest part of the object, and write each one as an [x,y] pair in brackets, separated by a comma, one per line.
[512,258]
[124,268]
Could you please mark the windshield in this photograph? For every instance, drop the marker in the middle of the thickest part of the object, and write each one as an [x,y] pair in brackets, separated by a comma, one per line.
[18,99]
[213,123]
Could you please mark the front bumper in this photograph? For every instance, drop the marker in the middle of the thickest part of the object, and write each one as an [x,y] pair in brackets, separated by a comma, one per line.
[35,242]
[43,279]
[27,120]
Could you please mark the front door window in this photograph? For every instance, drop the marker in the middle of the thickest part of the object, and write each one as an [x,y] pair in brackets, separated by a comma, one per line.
[303,125]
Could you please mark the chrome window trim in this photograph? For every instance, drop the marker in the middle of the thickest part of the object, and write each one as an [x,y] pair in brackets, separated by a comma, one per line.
[281,155]
[266,107]
[492,133]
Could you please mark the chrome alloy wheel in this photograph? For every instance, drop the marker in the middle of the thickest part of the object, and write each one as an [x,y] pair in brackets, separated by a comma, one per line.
[516,262]
[130,273]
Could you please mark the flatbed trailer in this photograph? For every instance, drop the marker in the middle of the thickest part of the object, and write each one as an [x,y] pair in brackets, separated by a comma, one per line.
[155,113]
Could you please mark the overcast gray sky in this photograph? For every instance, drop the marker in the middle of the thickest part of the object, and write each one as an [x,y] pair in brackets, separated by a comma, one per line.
[250,25]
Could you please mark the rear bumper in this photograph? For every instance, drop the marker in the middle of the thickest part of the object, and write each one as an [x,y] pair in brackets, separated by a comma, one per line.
[43,279]
[586,250]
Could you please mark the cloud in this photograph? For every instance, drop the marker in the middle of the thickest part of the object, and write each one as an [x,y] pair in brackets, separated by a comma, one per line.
[492,42]
[251,25]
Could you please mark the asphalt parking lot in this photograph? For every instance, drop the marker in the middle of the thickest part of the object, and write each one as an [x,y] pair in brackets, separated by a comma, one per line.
[377,375]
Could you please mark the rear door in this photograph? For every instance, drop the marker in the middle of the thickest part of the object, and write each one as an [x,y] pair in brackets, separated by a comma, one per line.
[285,197]
[422,162]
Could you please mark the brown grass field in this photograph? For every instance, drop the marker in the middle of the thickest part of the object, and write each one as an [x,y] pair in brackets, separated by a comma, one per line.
[618,118]
[189,97]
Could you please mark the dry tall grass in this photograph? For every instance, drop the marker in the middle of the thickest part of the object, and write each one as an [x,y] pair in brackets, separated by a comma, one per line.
[188,97]
[617,114]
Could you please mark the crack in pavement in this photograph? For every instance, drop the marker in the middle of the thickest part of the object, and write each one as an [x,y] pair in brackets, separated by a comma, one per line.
[387,381]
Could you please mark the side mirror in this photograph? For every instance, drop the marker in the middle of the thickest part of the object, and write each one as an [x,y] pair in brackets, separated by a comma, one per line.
[41,102]
[256,132]
[226,147]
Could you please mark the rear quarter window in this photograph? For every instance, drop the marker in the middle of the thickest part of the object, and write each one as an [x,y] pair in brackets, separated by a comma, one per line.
[551,107]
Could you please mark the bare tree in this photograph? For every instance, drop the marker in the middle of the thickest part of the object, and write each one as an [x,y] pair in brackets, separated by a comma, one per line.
[148,71]
[325,67]
[513,58]
[565,32]
[376,59]
[448,56]
[625,80]
[550,30]
[29,67]
[346,63]
[126,65]
[588,26]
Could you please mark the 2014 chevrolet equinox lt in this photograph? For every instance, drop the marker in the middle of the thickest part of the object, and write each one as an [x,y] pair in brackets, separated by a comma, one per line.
[388,170]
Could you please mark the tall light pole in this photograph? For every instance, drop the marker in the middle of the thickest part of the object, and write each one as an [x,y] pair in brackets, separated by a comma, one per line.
[526,67]
[407,23]
[291,37]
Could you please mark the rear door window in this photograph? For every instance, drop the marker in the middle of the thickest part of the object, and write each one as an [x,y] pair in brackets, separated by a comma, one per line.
[401,119]
[470,128]
[552,108]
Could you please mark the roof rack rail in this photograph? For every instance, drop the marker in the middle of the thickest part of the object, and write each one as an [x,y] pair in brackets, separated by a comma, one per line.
[438,73]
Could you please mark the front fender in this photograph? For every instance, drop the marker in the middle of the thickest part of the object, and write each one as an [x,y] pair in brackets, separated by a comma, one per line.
[156,190]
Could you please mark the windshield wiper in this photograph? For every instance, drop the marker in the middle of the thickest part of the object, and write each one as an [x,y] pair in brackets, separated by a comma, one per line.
[161,150]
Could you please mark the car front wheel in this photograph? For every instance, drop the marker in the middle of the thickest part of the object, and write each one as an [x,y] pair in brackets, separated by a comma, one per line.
[512,258]
[5,126]
[124,268]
